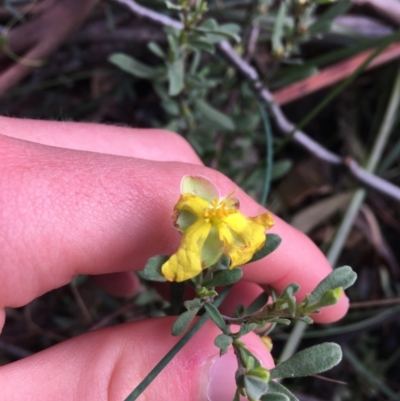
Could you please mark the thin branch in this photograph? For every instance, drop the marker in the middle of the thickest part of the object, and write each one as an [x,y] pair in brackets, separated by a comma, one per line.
[286,126]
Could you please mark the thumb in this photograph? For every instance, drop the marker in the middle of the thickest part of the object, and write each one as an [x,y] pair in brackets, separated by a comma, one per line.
[108,364]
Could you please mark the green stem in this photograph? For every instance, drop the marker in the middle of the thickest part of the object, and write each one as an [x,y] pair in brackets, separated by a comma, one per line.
[354,207]
[174,350]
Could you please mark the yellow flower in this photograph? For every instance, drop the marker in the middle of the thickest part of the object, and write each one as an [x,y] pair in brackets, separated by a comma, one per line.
[212,227]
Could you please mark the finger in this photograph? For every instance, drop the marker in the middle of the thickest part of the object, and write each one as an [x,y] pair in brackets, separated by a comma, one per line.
[150,144]
[108,364]
[68,212]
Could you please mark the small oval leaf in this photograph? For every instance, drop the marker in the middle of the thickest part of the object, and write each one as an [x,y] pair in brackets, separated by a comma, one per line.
[278,388]
[342,277]
[309,361]
[183,321]
[214,115]
[216,317]
[271,243]
[225,277]
[132,66]
[274,397]
[255,387]
[152,270]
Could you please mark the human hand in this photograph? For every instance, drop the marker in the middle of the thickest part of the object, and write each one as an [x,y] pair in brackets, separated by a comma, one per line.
[78,207]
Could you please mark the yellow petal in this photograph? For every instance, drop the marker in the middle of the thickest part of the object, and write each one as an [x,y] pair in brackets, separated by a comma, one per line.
[186,262]
[264,219]
[242,238]
[191,203]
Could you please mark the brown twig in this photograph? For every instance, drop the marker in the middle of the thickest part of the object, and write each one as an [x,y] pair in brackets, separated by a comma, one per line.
[375,303]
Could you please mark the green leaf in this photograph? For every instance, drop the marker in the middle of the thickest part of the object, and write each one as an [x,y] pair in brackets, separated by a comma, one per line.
[223,263]
[152,270]
[225,277]
[278,320]
[342,277]
[216,317]
[309,361]
[223,341]
[132,66]
[183,321]
[156,49]
[173,6]
[290,290]
[202,45]
[255,387]
[278,29]
[214,115]
[271,243]
[325,20]
[278,388]
[280,169]
[245,329]
[176,77]
[193,304]
[274,397]
[245,354]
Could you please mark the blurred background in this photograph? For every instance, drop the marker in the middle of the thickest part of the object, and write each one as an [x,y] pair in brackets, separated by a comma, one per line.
[333,70]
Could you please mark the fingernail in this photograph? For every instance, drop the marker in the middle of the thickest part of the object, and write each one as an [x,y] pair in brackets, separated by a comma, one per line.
[221,379]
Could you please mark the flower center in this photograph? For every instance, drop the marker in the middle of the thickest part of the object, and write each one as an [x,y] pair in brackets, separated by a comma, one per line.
[219,209]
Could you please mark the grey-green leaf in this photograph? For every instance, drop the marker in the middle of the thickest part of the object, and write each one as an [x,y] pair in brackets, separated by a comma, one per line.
[183,321]
[274,397]
[223,341]
[214,115]
[280,169]
[278,388]
[278,29]
[152,270]
[245,354]
[176,77]
[225,277]
[156,49]
[132,66]
[216,317]
[193,304]
[245,329]
[325,20]
[255,387]
[309,361]
[342,277]
[271,243]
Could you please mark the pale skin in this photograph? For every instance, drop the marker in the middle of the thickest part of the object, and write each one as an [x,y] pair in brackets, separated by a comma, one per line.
[92,199]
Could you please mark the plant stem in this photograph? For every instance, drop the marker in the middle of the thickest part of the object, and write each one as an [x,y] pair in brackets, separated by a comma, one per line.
[174,350]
